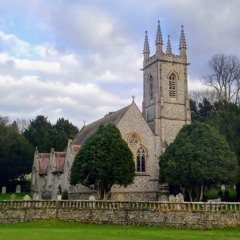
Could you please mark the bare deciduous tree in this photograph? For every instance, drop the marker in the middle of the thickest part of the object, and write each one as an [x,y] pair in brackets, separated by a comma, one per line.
[199,95]
[224,77]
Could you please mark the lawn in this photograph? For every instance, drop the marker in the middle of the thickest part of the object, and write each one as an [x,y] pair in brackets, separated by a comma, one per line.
[58,230]
[9,196]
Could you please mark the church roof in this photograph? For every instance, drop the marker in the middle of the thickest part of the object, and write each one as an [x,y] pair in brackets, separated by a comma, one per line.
[59,161]
[90,129]
[43,161]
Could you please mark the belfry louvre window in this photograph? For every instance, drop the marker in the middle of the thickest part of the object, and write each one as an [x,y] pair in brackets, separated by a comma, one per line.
[141,160]
[172,86]
[151,88]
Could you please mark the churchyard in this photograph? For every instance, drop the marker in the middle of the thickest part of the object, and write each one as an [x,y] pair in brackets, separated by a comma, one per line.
[59,230]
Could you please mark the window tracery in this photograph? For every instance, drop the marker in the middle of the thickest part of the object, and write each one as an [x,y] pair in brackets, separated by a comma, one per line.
[172,86]
[133,139]
[141,160]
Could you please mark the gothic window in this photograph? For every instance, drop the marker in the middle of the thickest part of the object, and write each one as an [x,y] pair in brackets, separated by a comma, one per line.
[141,160]
[151,88]
[172,86]
[133,139]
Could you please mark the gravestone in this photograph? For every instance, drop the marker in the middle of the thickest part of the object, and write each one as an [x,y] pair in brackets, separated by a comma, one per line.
[164,198]
[4,190]
[92,198]
[27,198]
[180,198]
[172,199]
[223,187]
[13,197]
[120,197]
[18,188]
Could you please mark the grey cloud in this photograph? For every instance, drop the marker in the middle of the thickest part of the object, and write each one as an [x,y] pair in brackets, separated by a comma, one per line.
[106,40]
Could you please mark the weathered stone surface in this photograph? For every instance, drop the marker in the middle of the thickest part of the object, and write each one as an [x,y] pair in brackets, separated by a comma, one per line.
[12,212]
[163,115]
[18,188]
[4,190]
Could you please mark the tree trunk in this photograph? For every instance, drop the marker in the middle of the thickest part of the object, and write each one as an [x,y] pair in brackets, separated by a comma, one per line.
[190,194]
[201,193]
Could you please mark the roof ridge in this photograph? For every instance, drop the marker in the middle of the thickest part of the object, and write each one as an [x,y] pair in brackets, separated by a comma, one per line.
[91,128]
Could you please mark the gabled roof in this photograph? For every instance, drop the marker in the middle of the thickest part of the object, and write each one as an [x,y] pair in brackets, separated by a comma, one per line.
[59,161]
[92,128]
[43,161]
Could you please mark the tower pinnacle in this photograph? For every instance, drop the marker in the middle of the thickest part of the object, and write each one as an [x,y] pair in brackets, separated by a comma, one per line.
[169,48]
[182,44]
[159,41]
[146,50]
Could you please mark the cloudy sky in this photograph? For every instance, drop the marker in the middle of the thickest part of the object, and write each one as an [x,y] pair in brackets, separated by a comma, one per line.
[80,59]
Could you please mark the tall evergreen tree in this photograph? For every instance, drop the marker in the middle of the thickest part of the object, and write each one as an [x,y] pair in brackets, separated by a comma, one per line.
[104,160]
[16,153]
[198,157]
[39,133]
[61,132]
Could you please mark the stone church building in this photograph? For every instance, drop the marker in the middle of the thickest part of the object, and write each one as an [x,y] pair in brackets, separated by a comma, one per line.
[165,109]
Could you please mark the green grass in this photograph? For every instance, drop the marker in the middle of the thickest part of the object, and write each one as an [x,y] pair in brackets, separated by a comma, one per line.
[58,230]
[213,193]
[7,196]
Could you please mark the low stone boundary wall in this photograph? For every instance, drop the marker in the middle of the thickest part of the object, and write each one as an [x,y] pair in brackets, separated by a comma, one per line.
[189,215]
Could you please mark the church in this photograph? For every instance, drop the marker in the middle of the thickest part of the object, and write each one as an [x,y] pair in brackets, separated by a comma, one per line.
[165,109]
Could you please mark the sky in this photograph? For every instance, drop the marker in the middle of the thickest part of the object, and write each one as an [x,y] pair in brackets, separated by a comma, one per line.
[80,59]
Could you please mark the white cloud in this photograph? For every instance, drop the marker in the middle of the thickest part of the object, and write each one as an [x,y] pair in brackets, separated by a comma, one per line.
[10,43]
[81,59]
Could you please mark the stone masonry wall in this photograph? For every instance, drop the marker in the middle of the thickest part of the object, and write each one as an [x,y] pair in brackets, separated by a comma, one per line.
[185,215]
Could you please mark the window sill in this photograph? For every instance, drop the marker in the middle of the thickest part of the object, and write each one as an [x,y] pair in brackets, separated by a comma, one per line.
[141,174]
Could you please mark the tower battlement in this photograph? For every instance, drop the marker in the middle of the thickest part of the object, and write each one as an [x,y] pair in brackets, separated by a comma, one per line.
[165,93]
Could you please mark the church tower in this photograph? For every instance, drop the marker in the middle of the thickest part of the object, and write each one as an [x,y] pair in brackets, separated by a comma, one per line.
[165,99]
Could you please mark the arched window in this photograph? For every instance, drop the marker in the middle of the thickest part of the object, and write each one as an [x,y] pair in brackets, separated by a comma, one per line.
[133,139]
[151,87]
[141,160]
[172,86]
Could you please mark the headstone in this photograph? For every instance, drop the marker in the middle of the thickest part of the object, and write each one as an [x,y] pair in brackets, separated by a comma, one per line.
[172,199]
[164,198]
[91,198]
[13,197]
[120,197]
[27,198]
[4,190]
[180,198]
[223,187]
[18,188]
[234,187]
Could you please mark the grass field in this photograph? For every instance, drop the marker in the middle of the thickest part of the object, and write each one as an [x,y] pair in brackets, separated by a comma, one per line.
[57,230]
[8,196]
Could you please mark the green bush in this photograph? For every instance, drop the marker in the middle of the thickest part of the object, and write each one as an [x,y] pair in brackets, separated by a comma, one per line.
[65,195]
